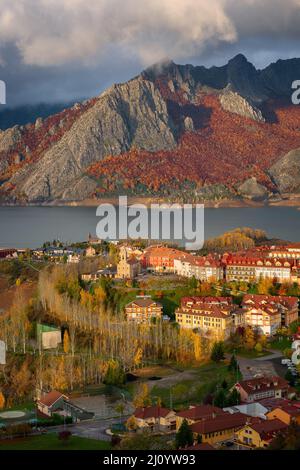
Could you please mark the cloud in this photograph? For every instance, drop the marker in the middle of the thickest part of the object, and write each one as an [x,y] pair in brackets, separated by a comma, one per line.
[56,32]
[51,49]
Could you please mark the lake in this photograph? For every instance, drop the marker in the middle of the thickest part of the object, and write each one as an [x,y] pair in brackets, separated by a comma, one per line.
[30,227]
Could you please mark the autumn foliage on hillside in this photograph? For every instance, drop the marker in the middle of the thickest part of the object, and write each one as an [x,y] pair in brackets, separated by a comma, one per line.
[38,138]
[224,148]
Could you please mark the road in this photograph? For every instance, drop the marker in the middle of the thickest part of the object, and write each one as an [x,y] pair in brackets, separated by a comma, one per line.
[265,365]
[92,429]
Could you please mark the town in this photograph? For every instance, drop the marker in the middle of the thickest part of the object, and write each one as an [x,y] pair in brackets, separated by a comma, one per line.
[103,344]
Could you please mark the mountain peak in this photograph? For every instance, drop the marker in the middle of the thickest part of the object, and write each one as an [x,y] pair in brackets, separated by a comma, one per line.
[239,59]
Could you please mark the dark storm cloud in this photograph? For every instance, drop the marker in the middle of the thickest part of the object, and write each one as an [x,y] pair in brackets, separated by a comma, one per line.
[55,50]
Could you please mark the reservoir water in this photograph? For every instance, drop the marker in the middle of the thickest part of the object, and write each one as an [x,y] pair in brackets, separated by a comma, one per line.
[30,227]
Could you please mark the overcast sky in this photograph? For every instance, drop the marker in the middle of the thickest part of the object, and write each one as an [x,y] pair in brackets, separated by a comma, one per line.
[58,50]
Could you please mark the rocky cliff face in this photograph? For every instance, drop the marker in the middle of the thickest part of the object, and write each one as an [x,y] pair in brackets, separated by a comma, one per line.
[286,172]
[170,126]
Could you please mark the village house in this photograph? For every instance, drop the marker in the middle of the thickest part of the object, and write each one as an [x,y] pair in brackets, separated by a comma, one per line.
[219,429]
[259,434]
[109,271]
[196,413]
[155,418]
[143,310]
[209,314]
[287,413]
[256,389]
[260,307]
[51,403]
[128,266]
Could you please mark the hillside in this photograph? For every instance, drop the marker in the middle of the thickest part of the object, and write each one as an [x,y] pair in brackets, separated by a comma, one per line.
[180,132]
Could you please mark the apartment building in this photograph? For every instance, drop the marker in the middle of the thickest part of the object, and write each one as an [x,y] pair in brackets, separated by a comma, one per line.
[209,314]
[256,389]
[251,268]
[204,268]
[269,311]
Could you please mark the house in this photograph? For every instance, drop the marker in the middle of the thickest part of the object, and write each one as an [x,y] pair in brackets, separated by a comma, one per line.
[209,314]
[220,428]
[93,240]
[287,413]
[74,258]
[259,434]
[90,252]
[155,418]
[128,266]
[197,413]
[286,306]
[143,309]
[256,389]
[51,403]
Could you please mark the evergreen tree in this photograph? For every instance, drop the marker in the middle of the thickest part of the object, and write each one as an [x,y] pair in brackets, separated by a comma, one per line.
[220,398]
[233,365]
[290,378]
[184,436]
[234,398]
[217,353]
[224,384]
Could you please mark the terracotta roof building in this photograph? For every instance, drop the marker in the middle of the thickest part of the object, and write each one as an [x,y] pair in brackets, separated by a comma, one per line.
[143,309]
[156,418]
[259,434]
[262,387]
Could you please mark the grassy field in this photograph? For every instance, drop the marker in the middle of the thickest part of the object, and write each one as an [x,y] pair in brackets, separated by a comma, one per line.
[51,442]
[281,344]
[194,386]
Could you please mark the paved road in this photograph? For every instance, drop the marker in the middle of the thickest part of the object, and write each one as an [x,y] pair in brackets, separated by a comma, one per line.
[265,365]
[93,429]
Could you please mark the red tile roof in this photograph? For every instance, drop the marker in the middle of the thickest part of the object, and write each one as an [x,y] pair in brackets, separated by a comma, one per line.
[151,412]
[265,427]
[220,423]
[199,412]
[262,384]
[50,398]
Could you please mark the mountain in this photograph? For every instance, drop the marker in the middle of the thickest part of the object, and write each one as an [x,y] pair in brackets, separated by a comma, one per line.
[177,131]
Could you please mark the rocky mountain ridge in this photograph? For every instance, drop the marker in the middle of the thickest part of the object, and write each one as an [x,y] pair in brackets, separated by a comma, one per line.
[205,132]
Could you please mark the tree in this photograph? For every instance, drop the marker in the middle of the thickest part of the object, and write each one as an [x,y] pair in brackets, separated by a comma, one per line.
[142,398]
[120,410]
[2,401]
[217,353]
[184,436]
[258,348]
[224,384]
[290,378]
[234,398]
[249,339]
[220,398]
[131,424]
[233,366]
[66,342]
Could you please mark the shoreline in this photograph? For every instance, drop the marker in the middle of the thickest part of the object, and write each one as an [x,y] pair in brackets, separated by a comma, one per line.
[293,201]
